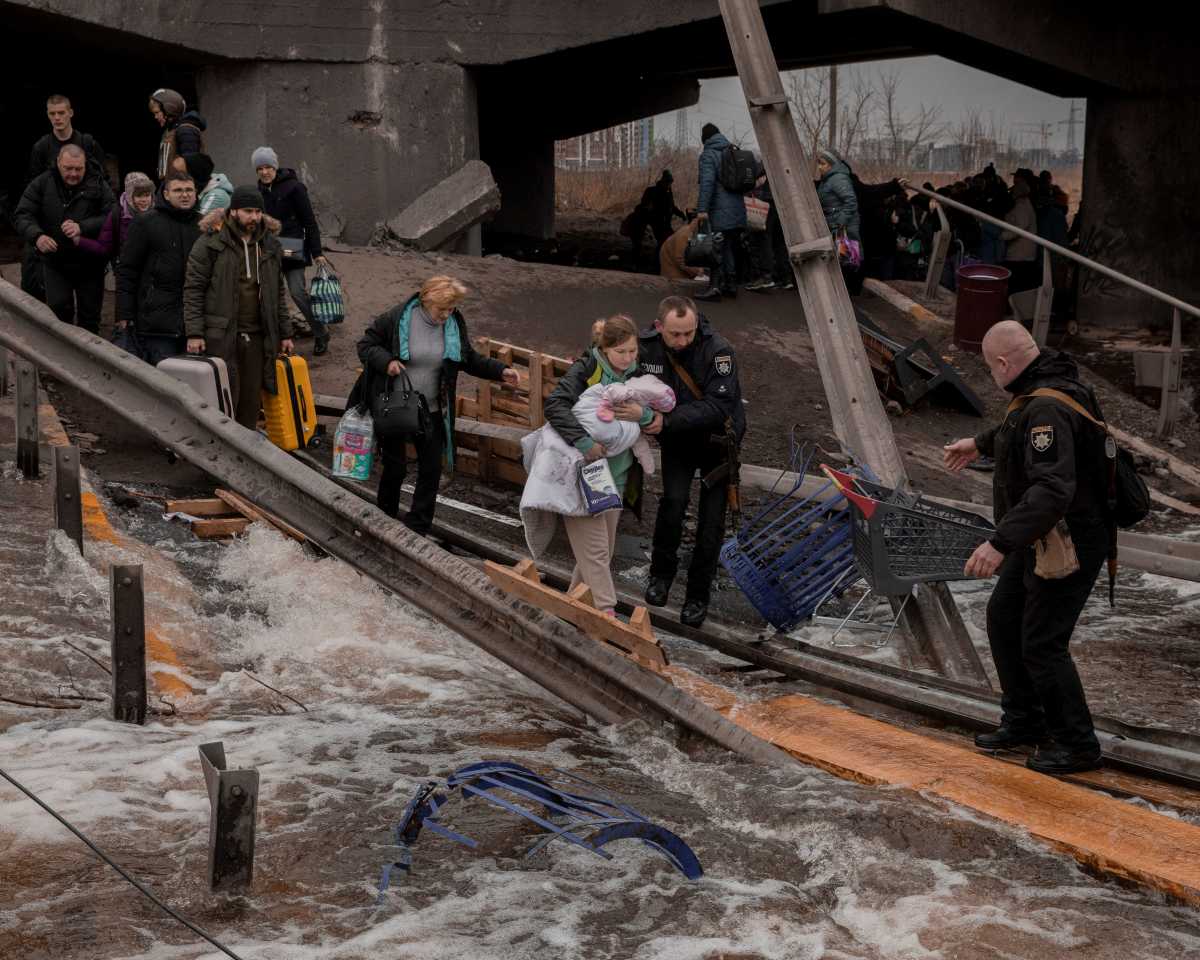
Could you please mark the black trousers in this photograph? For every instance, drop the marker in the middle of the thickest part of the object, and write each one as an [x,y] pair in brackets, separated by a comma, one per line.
[725,278]
[31,273]
[781,264]
[75,292]
[1029,625]
[429,474]
[679,467]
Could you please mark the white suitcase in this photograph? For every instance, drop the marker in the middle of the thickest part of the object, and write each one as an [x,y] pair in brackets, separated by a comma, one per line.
[208,376]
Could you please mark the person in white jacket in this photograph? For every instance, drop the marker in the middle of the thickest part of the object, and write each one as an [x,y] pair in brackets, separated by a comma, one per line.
[1021,255]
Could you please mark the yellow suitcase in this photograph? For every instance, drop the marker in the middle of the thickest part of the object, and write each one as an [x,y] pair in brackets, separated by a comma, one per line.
[291,412]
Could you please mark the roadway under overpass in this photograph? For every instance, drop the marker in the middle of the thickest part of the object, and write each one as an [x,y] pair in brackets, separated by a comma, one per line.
[374,101]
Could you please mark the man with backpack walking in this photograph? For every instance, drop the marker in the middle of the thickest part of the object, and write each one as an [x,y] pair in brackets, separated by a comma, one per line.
[1051,498]
[182,129]
[726,175]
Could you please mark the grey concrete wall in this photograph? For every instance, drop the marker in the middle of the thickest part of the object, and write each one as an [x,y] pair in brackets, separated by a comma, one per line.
[367,139]
[1141,206]
[471,32]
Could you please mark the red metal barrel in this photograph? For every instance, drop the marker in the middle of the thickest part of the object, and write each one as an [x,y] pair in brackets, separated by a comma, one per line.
[982,297]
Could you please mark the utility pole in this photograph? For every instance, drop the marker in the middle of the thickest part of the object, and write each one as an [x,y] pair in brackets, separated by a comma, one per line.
[859,421]
[833,106]
[681,129]
[1071,123]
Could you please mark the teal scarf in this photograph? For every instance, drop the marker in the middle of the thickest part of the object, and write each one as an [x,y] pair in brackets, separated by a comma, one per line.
[452,349]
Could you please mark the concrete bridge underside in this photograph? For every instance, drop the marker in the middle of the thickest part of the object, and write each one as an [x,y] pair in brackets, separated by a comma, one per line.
[377,100]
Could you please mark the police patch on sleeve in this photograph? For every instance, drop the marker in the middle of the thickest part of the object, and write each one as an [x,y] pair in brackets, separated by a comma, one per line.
[1042,441]
[724,364]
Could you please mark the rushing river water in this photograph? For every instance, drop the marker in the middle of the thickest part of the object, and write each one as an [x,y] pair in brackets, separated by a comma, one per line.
[797,864]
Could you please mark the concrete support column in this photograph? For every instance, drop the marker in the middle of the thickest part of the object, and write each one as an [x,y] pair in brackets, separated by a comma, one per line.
[1140,209]
[366,138]
[523,164]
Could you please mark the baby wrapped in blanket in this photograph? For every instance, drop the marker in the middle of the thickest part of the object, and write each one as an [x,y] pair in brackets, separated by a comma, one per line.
[595,411]
[552,489]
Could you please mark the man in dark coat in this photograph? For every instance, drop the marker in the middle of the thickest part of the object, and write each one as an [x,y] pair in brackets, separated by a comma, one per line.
[286,199]
[69,201]
[697,363]
[43,157]
[233,305]
[153,267]
[722,211]
[1050,481]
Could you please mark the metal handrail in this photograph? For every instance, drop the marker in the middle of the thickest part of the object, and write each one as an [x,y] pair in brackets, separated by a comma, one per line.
[1061,251]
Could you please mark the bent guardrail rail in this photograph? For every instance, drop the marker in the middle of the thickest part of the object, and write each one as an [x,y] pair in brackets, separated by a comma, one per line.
[578,670]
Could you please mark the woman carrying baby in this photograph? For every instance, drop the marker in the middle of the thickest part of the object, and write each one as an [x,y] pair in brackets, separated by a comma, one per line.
[612,359]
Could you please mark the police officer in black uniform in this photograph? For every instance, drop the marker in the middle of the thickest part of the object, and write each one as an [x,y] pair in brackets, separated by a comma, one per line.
[699,365]
[1051,475]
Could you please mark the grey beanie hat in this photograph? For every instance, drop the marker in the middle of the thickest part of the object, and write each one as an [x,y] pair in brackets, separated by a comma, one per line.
[264,157]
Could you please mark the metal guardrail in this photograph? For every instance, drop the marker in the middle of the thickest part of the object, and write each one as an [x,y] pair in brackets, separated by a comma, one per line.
[583,673]
[1172,361]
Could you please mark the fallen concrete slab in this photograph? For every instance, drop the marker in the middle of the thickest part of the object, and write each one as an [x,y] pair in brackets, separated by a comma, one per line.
[466,197]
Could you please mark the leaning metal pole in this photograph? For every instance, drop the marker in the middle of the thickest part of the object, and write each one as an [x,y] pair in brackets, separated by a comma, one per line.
[859,421]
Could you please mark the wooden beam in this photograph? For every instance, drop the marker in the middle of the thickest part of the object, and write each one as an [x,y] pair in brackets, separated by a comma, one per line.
[1101,832]
[569,607]
[219,527]
[859,421]
[536,417]
[203,507]
[253,512]
[1044,303]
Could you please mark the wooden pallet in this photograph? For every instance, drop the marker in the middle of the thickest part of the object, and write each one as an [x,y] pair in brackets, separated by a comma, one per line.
[635,639]
[227,515]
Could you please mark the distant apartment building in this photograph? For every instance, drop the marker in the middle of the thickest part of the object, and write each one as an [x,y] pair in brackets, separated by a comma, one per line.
[625,145]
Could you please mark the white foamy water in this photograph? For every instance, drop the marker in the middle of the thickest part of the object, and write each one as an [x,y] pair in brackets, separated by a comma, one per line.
[797,864]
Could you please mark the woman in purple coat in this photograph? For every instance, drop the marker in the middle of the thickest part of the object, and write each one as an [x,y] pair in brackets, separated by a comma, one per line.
[137,198]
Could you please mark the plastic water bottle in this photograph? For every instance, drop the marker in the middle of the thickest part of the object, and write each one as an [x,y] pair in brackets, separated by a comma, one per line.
[353,445]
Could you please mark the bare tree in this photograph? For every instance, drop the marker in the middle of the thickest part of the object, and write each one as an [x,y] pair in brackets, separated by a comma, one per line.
[905,131]
[854,113]
[808,96]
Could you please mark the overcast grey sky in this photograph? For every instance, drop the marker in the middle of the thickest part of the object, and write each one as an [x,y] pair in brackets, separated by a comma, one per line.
[930,80]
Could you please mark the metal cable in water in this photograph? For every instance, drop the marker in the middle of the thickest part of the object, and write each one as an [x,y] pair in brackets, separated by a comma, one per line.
[103,856]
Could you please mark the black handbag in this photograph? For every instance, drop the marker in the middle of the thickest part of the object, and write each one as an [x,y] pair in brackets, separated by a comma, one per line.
[703,249]
[399,410]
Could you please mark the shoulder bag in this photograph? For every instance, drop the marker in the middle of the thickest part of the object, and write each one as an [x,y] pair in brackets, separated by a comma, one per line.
[399,410]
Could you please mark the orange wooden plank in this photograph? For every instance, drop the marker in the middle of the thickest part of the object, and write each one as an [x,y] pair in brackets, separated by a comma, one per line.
[1099,831]
[587,618]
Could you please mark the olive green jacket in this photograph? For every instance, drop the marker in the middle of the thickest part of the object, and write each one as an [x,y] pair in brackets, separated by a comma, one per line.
[210,294]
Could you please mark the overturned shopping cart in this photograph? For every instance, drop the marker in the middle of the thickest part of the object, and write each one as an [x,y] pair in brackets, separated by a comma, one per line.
[796,552]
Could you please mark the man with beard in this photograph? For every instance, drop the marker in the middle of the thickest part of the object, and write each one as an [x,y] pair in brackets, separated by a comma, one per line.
[233,302]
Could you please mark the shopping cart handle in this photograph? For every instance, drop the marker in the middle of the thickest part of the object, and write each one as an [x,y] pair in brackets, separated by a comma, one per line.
[845,483]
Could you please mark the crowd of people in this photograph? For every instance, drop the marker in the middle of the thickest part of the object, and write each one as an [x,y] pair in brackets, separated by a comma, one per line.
[200,265]
[204,266]
[882,231]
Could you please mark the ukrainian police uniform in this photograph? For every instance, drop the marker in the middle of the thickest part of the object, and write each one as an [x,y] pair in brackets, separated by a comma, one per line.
[689,442]
[1050,465]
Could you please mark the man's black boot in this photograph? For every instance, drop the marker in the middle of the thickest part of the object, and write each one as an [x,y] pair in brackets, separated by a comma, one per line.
[1057,760]
[657,590]
[711,295]
[1004,737]
[693,613]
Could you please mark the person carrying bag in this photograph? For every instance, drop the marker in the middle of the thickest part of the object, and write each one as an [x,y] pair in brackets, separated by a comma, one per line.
[411,357]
